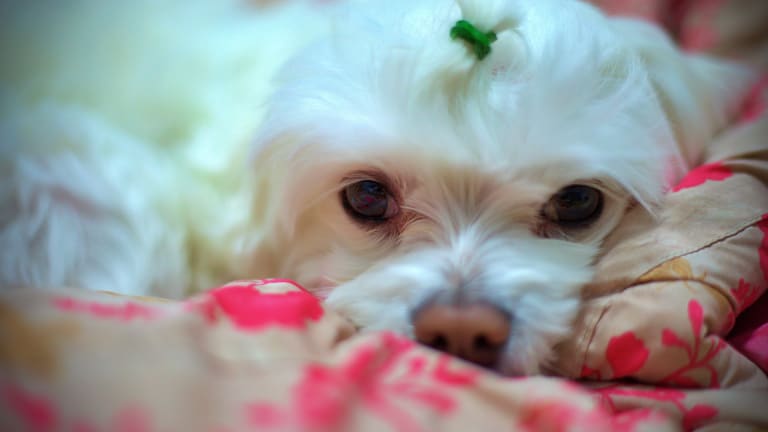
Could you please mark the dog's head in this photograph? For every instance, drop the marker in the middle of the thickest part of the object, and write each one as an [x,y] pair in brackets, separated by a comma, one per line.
[410,184]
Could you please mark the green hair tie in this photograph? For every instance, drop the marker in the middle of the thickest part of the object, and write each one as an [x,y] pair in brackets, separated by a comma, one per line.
[480,42]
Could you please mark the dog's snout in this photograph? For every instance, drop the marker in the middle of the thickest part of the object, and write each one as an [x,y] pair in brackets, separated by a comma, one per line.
[476,332]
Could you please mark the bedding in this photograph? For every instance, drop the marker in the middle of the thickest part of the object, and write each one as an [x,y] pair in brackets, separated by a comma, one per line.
[673,334]
[264,355]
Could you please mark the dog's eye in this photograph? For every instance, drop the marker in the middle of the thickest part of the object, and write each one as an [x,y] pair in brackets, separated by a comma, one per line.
[574,206]
[369,200]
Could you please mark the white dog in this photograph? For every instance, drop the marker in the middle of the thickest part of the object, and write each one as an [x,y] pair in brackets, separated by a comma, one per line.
[419,179]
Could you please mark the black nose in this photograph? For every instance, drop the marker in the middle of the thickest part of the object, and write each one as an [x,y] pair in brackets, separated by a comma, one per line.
[476,332]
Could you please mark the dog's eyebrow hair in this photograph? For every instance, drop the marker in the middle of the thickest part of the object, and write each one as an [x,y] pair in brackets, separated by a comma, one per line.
[365,174]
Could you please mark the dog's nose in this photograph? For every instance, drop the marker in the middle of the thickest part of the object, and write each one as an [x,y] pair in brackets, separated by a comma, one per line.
[475,332]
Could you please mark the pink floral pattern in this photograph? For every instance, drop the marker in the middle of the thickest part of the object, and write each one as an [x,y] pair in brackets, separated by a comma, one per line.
[124,311]
[371,377]
[700,354]
[745,294]
[556,416]
[692,417]
[751,336]
[250,310]
[754,106]
[37,413]
[710,172]
[626,354]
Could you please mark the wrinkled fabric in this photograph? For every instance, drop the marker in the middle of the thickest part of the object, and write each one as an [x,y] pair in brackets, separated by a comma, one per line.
[264,355]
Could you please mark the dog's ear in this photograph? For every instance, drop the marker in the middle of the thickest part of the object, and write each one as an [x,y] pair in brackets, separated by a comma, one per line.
[700,95]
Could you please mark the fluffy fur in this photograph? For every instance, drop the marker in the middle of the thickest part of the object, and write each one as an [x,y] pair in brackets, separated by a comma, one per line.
[114,185]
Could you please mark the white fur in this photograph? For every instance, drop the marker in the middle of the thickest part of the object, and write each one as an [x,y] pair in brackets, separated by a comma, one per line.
[161,196]
[124,131]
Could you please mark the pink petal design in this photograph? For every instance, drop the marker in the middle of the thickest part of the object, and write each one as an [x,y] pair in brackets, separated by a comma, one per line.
[670,338]
[416,365]
[371,378]
[251,310]
[698,415]
[589,373]
[696,360]
[745,294]
[37,413]
[559,416]
[125,311]
[693,417]
[434,398]
[264,416]
[754,106]
[131,419]
[682,381]
[626,354]
[696,317]
[460,376]
[715,171]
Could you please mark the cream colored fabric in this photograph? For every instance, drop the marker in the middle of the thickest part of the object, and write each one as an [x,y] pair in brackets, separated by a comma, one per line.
[255,356]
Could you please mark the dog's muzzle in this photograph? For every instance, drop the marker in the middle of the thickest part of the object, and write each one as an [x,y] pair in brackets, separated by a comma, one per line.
[474,331]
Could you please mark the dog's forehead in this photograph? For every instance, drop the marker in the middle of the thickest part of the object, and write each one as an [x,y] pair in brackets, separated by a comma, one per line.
[560,78]
[559,94]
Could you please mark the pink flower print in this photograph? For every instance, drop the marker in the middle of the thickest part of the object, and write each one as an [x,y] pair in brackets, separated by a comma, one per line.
[264,416]
[590,374]
[745,294]
[754,106]
[715,171]
[626,354]
[125,311]
[459,376]
[699,356]
[691,418]
[131,419]
[635,419]
[698,416]
[558,416]
[37,413]
[327,396]
[251,310]
[128,419]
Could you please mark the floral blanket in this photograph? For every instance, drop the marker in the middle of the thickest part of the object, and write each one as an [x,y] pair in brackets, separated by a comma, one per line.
[673,334]
[264,355]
